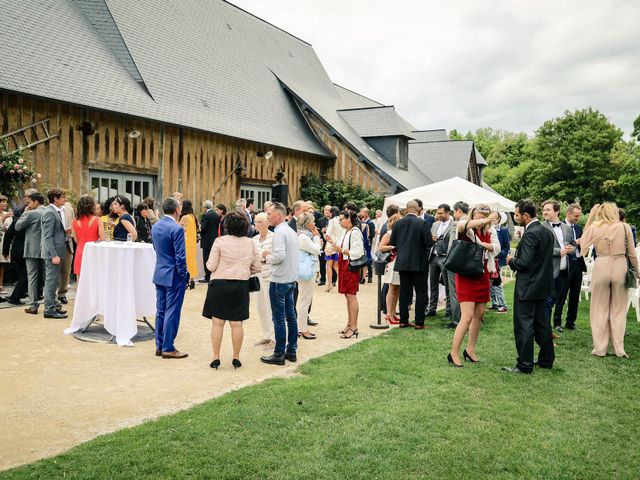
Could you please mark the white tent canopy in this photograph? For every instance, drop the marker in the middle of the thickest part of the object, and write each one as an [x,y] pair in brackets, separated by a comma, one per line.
[451,191]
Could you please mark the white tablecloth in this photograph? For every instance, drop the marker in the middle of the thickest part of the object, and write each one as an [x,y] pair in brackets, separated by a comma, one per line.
[115,282]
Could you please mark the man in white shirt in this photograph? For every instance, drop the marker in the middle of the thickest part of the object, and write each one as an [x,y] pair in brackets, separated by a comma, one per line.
[65,267]
[563,246]
[283,265]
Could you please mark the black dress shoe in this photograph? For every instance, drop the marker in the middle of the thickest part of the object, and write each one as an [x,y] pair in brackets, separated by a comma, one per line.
[203,280]
[430,313]
[273,359]
[3,299]
[322,284]
[62,299]
[515,370]
[60,310]
[292,357]
[570,327]
[451,325]
[57,315]
[15,302]
[311,323]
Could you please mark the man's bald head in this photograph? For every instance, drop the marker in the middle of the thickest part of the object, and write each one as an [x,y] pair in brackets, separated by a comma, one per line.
[412,206]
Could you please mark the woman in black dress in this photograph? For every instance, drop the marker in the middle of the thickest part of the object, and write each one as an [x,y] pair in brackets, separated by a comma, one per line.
[121,206]
[233,259]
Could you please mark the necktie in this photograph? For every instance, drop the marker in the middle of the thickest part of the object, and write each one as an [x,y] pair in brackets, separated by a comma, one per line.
[61,220]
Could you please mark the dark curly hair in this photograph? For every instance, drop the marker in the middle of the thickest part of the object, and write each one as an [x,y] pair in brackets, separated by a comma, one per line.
[352,216]
[236,224]
[85,207]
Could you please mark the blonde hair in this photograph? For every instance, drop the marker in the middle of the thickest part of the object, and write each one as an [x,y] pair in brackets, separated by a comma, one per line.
[606,214]
[485,210]
[260,217]
[304,219]
[392,220]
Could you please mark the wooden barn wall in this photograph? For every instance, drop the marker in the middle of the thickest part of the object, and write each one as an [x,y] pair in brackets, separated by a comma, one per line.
[347,164]
[195,163]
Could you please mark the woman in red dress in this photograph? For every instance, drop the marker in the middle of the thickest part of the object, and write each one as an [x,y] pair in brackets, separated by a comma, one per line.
[351,246]
[86,227]
[473,292]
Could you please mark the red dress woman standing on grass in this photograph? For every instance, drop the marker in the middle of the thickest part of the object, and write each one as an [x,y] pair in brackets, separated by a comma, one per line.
[86,227]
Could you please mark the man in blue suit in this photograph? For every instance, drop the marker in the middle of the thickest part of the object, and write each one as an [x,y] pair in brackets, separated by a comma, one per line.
[170,277]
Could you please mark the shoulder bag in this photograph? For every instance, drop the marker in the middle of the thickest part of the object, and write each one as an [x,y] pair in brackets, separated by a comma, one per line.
[465,258]
[630,277]
[357,264]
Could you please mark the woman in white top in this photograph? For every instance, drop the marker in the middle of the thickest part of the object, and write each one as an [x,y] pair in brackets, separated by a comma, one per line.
[350,247]
[391,277]
[310,247]
[334,230]
[263,241]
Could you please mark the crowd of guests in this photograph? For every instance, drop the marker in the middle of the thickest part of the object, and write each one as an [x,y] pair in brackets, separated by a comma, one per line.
[279,256]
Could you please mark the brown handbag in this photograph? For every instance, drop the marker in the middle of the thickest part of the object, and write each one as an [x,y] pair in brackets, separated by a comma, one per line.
[630,280]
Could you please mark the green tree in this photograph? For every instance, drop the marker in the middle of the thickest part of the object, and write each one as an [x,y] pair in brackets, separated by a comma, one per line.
[625,190]
[636,128]
[572,157]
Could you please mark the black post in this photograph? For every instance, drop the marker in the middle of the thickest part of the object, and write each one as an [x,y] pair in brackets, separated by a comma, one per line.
[379,267]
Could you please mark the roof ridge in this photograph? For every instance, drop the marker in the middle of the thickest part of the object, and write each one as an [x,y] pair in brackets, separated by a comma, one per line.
[365,108]
[268,23]
[430,130]
[442,141]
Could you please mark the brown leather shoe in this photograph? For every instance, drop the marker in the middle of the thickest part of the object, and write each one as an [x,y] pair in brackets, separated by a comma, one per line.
[158,353]
[174,354]
[32,311]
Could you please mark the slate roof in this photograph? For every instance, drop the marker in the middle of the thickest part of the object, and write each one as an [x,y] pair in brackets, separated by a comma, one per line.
[351,99]
[441,160]
[429,135]
[204,64]
[376,122]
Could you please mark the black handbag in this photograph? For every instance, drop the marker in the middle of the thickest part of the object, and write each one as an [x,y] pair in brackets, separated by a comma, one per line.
[630,278]
[254,284]
[465,258]
[358,264]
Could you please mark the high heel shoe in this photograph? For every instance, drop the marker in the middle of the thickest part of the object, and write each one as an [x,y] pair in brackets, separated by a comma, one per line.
[392,320]
[466,357]
[354,333]
[450,360]
[192,284]
[344,330]
[236,363]
[215,364]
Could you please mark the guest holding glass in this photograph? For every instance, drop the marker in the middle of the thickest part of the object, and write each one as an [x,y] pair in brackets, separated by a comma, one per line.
[233,259]
[391,278]
[335,231]
[613,242]
[263,240]
[474,292]
[350,247]
[190,224]
[310,247]
[86,227]
[121,207]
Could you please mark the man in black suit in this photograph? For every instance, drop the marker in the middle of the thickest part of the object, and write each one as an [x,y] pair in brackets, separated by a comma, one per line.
[533,264]
[412,238]
[576,268]
[14,246]
[208,233]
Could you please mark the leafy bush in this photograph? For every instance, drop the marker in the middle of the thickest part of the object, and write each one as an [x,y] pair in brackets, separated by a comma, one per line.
[337,192]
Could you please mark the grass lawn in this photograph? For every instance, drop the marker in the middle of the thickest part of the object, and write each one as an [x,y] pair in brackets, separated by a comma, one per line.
[391,407]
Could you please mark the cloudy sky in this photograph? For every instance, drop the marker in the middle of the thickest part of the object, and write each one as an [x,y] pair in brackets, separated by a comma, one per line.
[466,64]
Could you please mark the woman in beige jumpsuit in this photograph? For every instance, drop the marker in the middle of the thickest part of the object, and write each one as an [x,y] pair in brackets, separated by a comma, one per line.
[609,298]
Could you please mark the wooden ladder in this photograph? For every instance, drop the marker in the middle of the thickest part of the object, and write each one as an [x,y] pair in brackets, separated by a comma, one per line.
[29,136]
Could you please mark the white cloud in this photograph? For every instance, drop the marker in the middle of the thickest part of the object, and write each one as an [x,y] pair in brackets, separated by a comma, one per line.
[466,64]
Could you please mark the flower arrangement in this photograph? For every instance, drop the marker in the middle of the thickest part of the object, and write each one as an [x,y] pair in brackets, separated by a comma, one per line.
[16,169]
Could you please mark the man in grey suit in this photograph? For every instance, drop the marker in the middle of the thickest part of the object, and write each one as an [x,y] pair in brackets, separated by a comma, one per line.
[563,246]
[30,221]
[460,211]
[54,250]
[440,232]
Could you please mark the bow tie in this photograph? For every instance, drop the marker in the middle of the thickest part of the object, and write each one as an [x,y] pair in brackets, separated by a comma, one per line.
[556,225]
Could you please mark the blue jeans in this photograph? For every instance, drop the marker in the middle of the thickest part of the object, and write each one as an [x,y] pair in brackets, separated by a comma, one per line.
[283,308]
[497,296]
